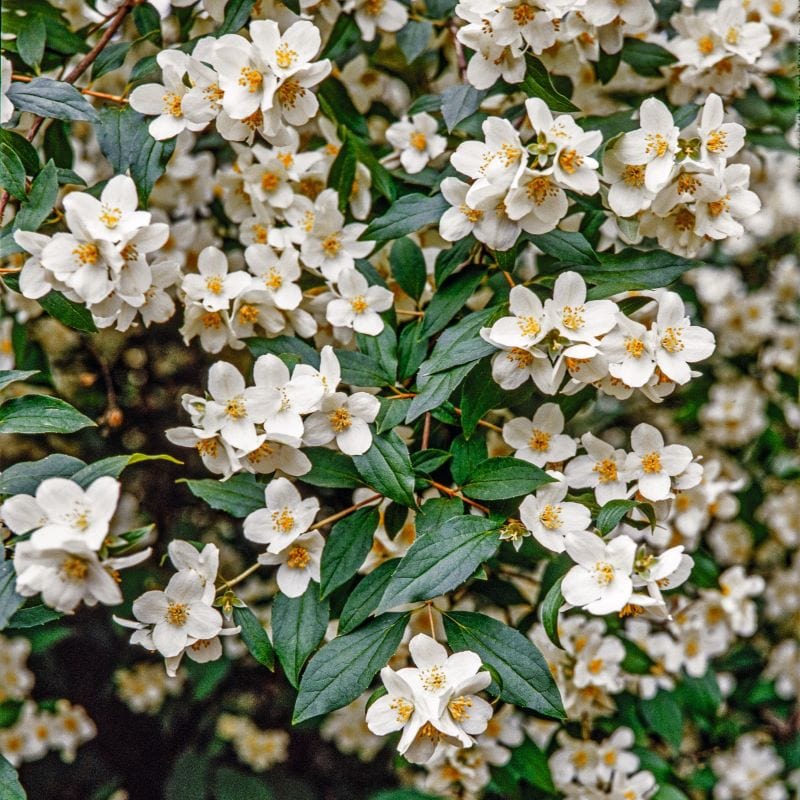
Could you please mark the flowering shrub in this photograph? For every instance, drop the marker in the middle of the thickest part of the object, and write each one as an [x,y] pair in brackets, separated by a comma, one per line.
[399,400]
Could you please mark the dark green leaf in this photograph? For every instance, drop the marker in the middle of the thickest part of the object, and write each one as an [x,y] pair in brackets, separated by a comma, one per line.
[434,513]
[663,717]
[526,678]
[412,347]
[363,600]
[343,170]
[459,102]
[348,544]
[67,312]
[237,13]
[284,345]
[392,413]
[607,66]
[449,299]
[479,394]
[633,269]
[12,173]
[111,57]
[408,267]
[331,469]
[230,784]
[9,376]
[537,83]
[503,478]
[646,58]
[188,778]
[298,625]
[238,496]
[569,247]
[344,667]
[428,461]
[382,349]
[448,261]
[460,343]
[548,612]
[435,390]
[36,413]
[49,98]
[146,19]
[10,601]
[529,763]
[33,617]
[336,104]
[468,454]
[382,180]
[359,369]
[41,199]
[23,148]
[409,214]
[25,477]
[386,467]
[254,636]
[441,560]
[114,465]
[413,38]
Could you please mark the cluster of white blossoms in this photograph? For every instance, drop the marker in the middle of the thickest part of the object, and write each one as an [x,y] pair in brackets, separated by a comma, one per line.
[594,343]
[260,428]
[519,186]
[103,261]
[501,34]
[678,184]
[751,769]
[245,86]
[258,748]
[66,553]
[181,619]
[433,703]
[584,769]
[36,731]
[145,686]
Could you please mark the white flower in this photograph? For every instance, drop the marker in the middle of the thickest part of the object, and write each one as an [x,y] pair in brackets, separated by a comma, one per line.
[213,286]
[179,615]
[374,15]
[667,571]
[345,419]
[629,350]
[299,563]
[433,702]
[527,327]
[166,100]
[718,140]
[358,304]
[215,453]
[202,565]
[286,398]
[653,464]
[575,318]
[499,160]
[245,78]
[627,193]
[600,581]
[679,343]
[6,106]
[234,409]
[654,144]
[416,141]
[602,468]
[540,440]
[549,518]
[285,517]
[276,275]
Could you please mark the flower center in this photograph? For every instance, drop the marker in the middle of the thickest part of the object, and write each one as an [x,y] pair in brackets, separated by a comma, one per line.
[655,143]
[539,441]
[705,44]
[528,325]
[433,679]
[570,160]
[177,613]
[264,450]
[283,520]
[459,708]
[359,304]
[684,220]
[332,244]
[298,558]
[717,141]
[260,233]
[572,317]
[214,284]
[523,15]
[651,463]
[289,91]
[110,216]
[540,188]
[472,214]
[717,207]
[273,279]
[603,573]
[86,253]
[402,708]
[207,447]
[606,470]
[634,347]
[211,320]
[550,517]
[74,568]
[340,419]
[418,140]
[235,408]
[251,78]
[285,57]
[595,666]
[522,358]
[172,104]
[248,314]
[633,175]
[671,341]
[269,181]
[374,7]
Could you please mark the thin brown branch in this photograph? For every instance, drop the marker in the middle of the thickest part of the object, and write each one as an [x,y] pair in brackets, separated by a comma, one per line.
[113,98]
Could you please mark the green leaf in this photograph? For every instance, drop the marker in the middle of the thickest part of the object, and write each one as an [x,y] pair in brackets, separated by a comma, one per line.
[10,787]
[668,792]
[636,661]
[503,478]
[111,57]
[633,269]
[448,261]
[548,612]
[12,173]
[35,413]
[408,267]
[412,347]
[343,170]
[230,784]
[345,33]
[382,180]
[33,617]
[147,19]
[646,58]
[348,544]
[537,83]
[41,199]
[114,465]
[663,717]
[529,763]
[25,477]
[9,376]
[468,454]
[526,678]
[125,140]
[409,214]
[386,467]
[188,778]
[298,625]
[428,461]
[459,102]
[10,601]
[607,66]
[284,345]
[449,299]
[237,13]
[363,600]
[479,394]
[254,636]
[382,349]
[441,560]
[51,99]
[460,343]
[359,369]
[23,148]
[336,104]
[413,38]
[344,667]
[569,247]
[612,513]
[435,389]
[330,469]
[68,312]
[238,496]
[434,513]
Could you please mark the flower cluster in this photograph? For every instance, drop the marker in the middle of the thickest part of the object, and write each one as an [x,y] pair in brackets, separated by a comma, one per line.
[66,552]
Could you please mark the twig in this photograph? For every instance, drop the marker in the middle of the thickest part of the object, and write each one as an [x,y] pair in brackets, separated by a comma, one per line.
[490,425]
[426,431]
[455,493]
[114,98]
[461,59]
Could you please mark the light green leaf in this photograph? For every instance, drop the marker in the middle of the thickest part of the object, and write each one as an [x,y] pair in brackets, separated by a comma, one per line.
[348,544]
[9,376]
[413,38]
[10,787]
[386,467]
[298,625]
[526,679]
[344,667]
[441,560]
[36,413]
[459,102]
[254,636]
[33,617]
